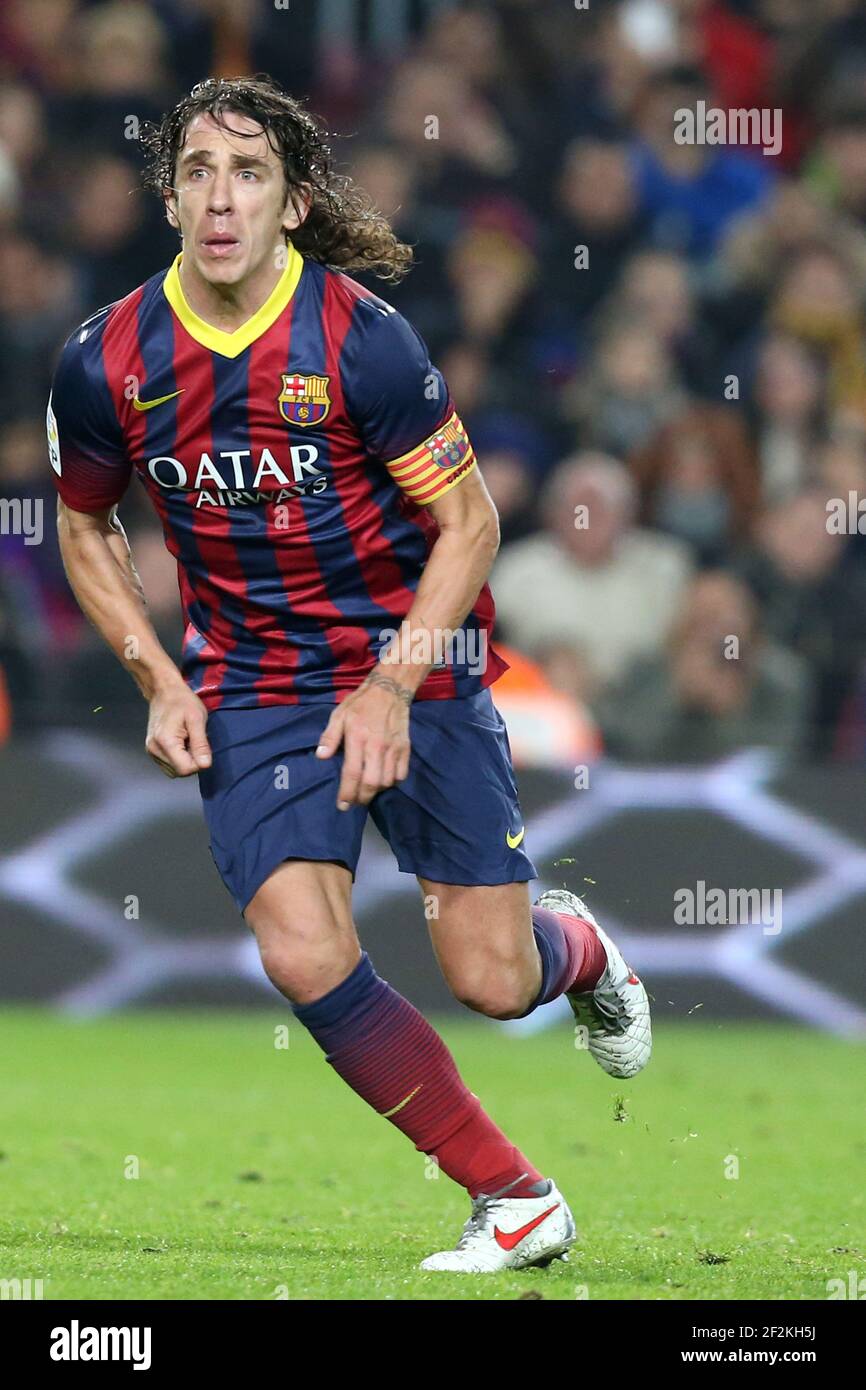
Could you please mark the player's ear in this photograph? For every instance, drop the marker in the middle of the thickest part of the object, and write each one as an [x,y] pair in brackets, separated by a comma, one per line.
[298,203]
[169,198]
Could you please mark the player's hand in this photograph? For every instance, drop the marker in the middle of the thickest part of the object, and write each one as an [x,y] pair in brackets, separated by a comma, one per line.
[176,738]
[373,725]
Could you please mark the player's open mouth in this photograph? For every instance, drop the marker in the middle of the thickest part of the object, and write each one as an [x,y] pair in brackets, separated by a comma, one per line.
[220,245]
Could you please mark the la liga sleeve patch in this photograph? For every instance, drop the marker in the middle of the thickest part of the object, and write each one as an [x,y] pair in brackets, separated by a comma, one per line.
[435,465]
[90,464]
[53,438]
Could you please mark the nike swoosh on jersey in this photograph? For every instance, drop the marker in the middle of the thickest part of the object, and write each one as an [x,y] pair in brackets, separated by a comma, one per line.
[513,841]
[160,400]
[508,1239]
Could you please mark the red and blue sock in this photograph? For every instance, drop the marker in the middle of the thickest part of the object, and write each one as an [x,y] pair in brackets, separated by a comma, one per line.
[391,1056]
[572,956]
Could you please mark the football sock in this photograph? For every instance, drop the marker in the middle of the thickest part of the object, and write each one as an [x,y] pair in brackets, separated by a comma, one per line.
[572,956]
[394,1060]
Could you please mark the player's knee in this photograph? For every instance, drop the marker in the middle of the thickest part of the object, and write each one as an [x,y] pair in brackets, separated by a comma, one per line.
[282,969]
[297,975]
[495,998]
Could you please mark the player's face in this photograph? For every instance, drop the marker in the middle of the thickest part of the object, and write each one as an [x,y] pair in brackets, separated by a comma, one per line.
[229,200]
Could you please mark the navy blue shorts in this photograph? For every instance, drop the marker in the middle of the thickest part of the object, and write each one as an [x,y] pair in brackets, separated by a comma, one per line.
[454,819]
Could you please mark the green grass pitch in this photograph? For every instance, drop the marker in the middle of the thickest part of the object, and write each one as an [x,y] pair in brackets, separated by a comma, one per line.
[260,1175]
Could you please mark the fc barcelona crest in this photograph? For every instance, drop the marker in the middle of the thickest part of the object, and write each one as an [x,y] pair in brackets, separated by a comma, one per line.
[304,400]
[448,447]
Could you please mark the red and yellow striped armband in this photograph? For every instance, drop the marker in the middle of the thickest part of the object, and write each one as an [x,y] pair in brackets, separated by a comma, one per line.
[435,465]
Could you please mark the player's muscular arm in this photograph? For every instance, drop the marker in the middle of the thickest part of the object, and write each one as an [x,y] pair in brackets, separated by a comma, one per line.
[458,565]
[98,563]
[373,722]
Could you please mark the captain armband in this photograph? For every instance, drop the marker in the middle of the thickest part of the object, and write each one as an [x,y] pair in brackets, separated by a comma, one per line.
[435,465]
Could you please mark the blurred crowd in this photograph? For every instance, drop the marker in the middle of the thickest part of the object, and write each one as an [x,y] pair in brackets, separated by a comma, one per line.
[657,348]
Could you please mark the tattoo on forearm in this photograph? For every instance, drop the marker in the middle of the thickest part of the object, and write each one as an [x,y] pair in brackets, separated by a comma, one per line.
[388,683]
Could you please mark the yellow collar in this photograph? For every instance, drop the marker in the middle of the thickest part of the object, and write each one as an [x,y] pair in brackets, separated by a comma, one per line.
[232,344]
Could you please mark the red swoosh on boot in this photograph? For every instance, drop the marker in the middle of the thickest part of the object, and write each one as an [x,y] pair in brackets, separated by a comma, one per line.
[508,1239]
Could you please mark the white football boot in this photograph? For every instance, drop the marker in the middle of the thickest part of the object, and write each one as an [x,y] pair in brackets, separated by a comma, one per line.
[509,1233]
[616,1013]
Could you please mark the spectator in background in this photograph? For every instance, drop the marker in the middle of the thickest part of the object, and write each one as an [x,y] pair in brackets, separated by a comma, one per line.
[120,49]
[492,311]
[792,220]
[698,481]
[812,598]
[820,302]
[514,456]
[123,47]
[718,686]
[471,151]
[38,299]
[628,391]
[470,42]
[689,194]
[840,472]
[112,232]
[385,171]
[836,166]
[655,290]
[591,580]
[22,143]
[496,57]
[841,463]
[735,45]
[547,725]
[788,413]
[468,371]
[596,210]
[491,271]
[37,41]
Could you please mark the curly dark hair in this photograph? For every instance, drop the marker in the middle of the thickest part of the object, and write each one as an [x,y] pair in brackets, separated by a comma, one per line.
[342,228]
